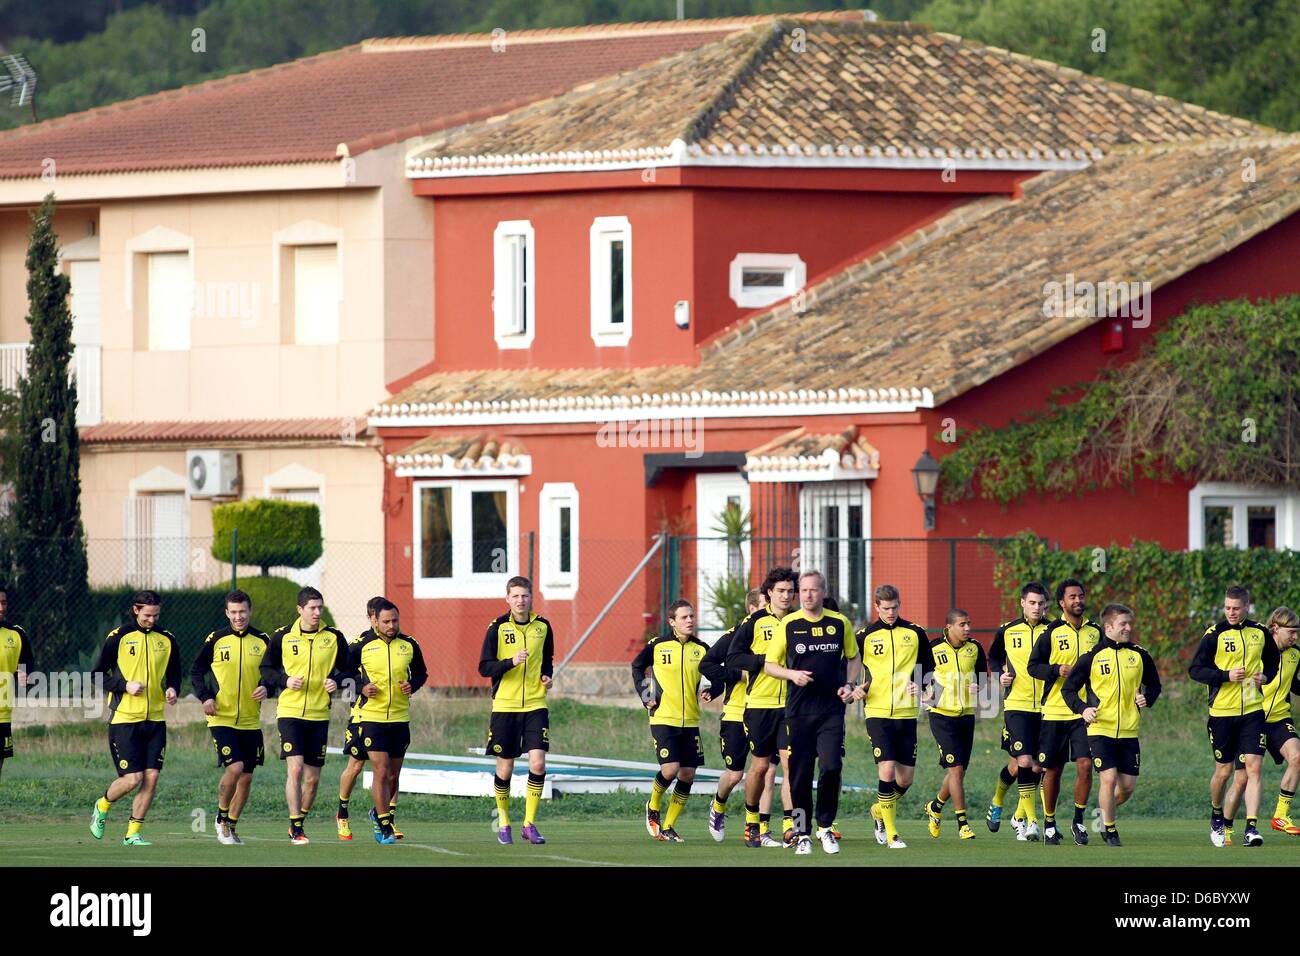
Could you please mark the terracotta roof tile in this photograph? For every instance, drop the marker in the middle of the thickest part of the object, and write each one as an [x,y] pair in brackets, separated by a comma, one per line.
[950,307]
[289,429]
[883,90]
[801,449]
[365,95]
[480,452]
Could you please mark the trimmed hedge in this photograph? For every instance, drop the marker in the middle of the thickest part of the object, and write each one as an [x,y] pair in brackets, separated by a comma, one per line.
[192,614]
[271,533]
[1175,595]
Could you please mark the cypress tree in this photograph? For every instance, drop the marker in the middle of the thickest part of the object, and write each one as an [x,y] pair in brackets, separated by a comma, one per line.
[49,568]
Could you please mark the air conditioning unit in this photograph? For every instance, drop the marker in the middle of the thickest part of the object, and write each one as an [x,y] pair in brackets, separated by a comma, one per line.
[211,473]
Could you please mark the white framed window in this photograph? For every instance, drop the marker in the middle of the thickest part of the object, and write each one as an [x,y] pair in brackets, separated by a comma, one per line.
[611,280]
[156,525]
[466,537]
[558,534]
[760,278]
[170,302]
[316,295]
[514,272]
[1239,516]
[835,527]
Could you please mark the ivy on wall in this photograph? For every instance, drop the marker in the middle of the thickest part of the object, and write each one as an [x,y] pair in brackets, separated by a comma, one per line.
[1212,397]
[1175,595]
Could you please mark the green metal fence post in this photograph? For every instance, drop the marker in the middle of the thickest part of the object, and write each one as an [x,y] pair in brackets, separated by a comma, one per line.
[234,559]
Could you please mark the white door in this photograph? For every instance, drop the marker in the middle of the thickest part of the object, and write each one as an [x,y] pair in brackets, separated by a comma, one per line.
[309,576]
[718,561]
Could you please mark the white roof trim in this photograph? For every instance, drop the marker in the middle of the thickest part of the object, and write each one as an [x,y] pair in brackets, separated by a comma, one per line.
[814,470]
[606,408]
[446,466]
[790,156]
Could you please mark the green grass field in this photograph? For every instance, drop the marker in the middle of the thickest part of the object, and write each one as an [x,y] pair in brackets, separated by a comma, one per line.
[47,789]
[613,842]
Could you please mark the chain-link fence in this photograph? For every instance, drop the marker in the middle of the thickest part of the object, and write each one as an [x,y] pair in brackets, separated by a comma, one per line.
[68,631]
[602,596]
[931,574]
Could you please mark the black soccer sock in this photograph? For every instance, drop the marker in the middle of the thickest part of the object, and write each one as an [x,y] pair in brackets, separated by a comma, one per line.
[343,809]
[901,790]
[1227,824]
[222,813]
[1216,814]
[296,820]
[1025,777]
[885,790]
[939,805]
[1252,823]
[386,822]
[1049,819]
[961,818]
[1006,777]
[683,789]
[1078,813]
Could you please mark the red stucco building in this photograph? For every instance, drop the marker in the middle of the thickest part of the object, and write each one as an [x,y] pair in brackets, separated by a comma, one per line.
[773,270]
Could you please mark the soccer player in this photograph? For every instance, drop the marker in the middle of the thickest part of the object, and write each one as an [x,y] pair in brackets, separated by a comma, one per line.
[666,675]
[729,684]
[16,662]
[959,665]
[1236,658]
[1279,727]
[142,673]
[352,746]
[391,668]
[306,661]
[226,678]
[518,655]
[1063,734]
[1022,710]
[763,720]
[892,650]
[1108,686]
[811,649]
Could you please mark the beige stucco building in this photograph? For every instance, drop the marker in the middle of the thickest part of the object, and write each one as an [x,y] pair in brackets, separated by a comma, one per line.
[252,273]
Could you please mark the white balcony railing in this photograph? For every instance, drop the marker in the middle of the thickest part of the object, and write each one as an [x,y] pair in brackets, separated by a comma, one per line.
[85,368]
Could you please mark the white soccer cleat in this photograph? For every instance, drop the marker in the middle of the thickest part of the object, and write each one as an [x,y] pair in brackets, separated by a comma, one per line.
[765,839]
[1216,836]
[829,843]
[1018,825]
[803,846]
[881,837]
[896,843]
[224,834]
[1031,832]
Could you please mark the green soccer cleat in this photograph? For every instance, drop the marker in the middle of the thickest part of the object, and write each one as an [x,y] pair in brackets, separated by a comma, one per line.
[97,822]
[135,840]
